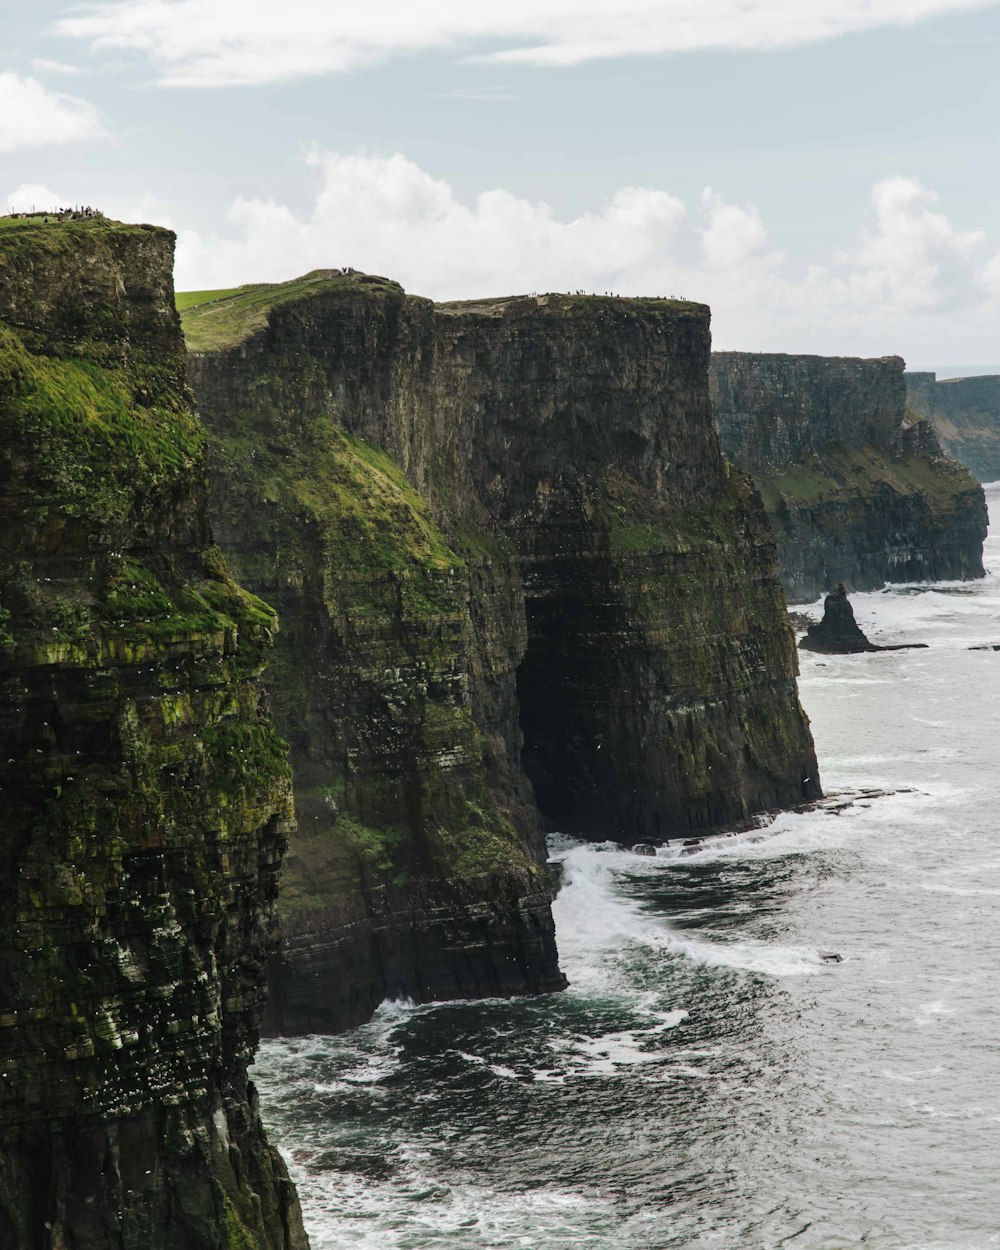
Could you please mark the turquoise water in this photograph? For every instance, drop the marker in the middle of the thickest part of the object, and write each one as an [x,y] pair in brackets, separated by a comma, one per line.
[707,1080]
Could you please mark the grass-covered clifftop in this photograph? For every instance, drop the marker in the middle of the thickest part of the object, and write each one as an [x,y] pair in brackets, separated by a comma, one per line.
[144,790]
[217,320]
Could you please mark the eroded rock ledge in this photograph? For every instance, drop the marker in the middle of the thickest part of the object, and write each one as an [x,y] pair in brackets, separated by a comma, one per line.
[562,581]
[144,793]
[857,489]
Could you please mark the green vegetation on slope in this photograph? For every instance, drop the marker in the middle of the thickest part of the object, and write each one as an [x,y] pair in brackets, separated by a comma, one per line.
[389,782]
[213,324]
[71,410]
[190,299]
[848,473]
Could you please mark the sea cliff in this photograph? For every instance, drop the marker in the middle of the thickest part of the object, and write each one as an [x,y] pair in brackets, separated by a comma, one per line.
[144,791]
[965,412]
[857,489]
[519,588]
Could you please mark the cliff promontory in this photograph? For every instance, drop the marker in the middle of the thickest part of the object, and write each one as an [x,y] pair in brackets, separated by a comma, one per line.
[144,791]
[965,412]
[857,489]
[519,587]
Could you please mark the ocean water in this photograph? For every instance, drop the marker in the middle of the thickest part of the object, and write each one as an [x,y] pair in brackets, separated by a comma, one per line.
[708,1080]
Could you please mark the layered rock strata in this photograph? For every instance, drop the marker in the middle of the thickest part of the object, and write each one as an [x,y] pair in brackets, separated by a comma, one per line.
[857,490]
[502,541]
[965,412]
[144,791]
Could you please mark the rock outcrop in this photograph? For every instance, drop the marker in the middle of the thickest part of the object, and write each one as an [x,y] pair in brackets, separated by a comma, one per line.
[144,791]
[965,412]
[504,546]
[857,490]
[838,633]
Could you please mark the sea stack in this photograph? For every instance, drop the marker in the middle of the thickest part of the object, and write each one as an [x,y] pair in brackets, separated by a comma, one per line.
[838,633]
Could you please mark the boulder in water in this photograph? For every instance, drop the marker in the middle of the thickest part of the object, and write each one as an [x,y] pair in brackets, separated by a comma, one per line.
[644,848]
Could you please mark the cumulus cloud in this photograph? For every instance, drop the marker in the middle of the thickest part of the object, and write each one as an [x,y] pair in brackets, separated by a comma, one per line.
[31,115]
[227,42]
[31,196]
[914,258]
[908,276]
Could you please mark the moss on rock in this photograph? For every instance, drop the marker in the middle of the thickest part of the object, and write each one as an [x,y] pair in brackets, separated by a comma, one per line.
[145,793]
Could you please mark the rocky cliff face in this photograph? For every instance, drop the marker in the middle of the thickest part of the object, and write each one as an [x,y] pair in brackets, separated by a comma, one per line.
[144,791]
[965,412]
[502,541]
[856,489]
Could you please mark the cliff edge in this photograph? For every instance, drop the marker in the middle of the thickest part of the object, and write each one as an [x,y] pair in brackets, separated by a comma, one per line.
[145,793]
[965,412]
[857,489]
[519,588]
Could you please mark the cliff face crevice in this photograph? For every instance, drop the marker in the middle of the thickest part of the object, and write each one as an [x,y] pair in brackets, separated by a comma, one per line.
[965,413]
[145,793]
[857,489]
[503,544]
[586,429]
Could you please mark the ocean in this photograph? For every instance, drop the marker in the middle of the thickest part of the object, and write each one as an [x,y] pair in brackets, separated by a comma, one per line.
[709,1080]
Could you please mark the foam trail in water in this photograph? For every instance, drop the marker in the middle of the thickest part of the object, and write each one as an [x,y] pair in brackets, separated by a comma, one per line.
[595,922]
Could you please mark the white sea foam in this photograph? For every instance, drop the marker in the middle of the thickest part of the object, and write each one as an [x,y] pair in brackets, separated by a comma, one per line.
[594,921]
[417,1212]
[827,1106]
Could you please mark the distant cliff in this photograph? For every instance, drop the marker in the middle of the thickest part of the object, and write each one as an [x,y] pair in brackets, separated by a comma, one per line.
[857,490]
[561,581]
[144,793]
[965,412]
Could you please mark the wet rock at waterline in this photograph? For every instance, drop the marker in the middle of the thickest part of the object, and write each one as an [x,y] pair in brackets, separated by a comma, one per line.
[838,633]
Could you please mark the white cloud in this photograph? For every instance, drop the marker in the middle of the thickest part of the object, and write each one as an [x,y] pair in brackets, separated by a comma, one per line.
[45,66]
[910,281]
[734,236]
[31,196]
[914,258]
[140,207]
[226,42]
[31,115]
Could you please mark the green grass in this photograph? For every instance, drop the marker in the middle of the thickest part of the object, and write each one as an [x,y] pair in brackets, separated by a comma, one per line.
[41,221]
[558,302]
[191,299]
[213,325]
[370,514]
[846,473]
[78,411]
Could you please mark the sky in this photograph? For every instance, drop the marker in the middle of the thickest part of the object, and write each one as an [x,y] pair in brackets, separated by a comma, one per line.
[824,173]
